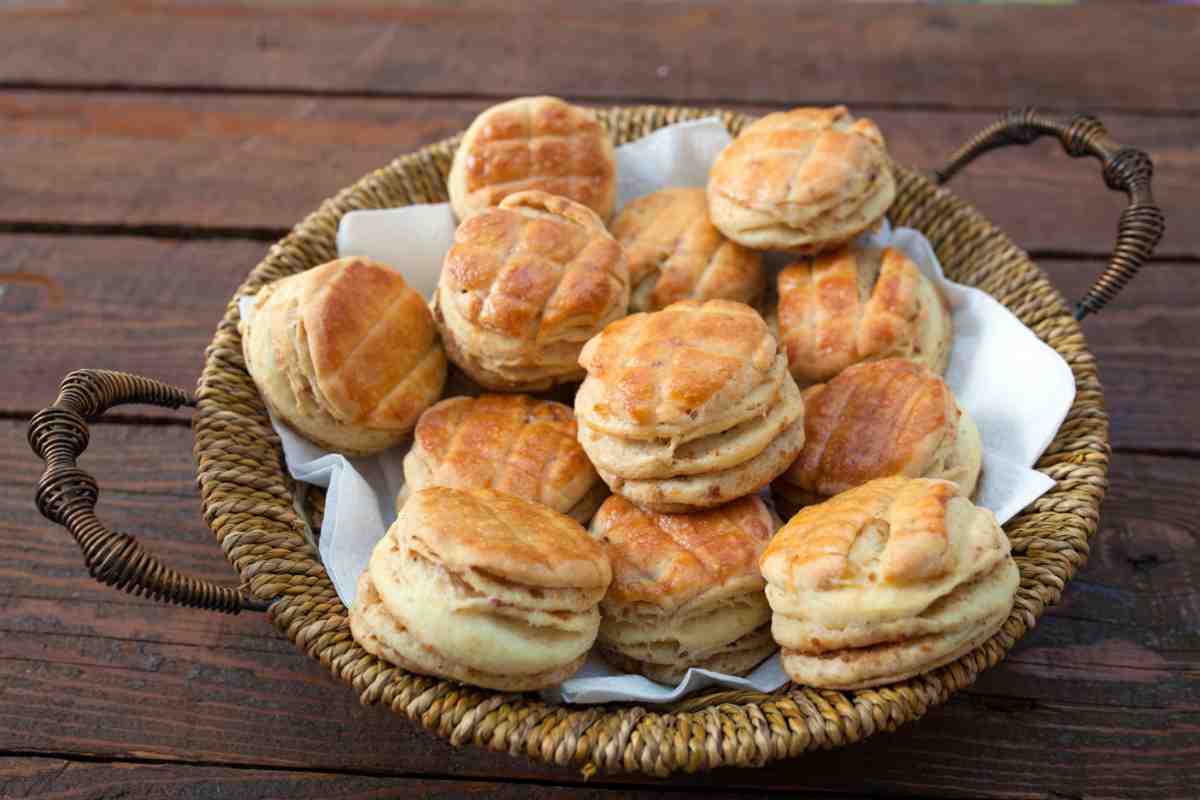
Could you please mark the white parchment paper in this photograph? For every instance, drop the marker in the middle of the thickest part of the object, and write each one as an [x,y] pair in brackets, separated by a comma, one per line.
[1017,418]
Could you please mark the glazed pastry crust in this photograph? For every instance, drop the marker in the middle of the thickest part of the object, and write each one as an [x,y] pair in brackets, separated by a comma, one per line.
[524,286]
[537,143]
[346,353]
[675,253]
[515,444]
[858,305]
[804,181]
[885,581]
[878,419]
[686,589]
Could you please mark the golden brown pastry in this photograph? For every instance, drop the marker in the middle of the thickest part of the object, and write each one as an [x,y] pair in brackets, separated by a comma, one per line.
[524,286]
[513,443]
[875,420]
[860,304]
[675,253]
[886,581]
[534,143]
[686,589]
[345,353]
[482,587]
[804,180]
[688,407]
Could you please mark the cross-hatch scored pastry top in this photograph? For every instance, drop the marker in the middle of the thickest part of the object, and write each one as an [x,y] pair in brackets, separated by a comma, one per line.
[857,304]
[891,531]
[352,312]
[661,367]
[670,560]
[675,253]
[346,353]
[884,418]
[512,443]
[507,537]
[534,143]
[539,267]
[802,180]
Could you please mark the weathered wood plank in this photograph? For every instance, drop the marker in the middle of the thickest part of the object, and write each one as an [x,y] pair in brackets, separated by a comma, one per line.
[265,162]
[142,305]
[769,51]
[49,777]
[1099,694]
[150,306]
[122,700]
[1146,345]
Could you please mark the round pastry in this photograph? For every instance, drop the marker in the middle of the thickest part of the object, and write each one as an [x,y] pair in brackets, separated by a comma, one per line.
[860,304]
[686,589]
[345,353]
[874,420]
[804,181]
[689,407]
[524,286]
[513,443]
[484,588]
[675,253]
[886,581]
[534,143]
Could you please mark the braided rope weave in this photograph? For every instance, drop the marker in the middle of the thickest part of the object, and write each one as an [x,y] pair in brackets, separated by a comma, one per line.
[249,503]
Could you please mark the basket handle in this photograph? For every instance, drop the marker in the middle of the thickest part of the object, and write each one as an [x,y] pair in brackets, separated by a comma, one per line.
[1126,169]
[67,494]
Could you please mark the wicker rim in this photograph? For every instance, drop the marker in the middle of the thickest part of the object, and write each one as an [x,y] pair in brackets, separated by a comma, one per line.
[251,505]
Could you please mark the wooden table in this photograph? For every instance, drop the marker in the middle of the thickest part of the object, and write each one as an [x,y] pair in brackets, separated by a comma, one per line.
[147,158]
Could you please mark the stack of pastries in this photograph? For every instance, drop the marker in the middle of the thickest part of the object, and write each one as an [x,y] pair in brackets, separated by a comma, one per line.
[710,401]
[689,407]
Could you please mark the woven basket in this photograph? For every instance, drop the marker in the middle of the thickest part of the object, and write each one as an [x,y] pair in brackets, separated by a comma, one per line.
[252,505]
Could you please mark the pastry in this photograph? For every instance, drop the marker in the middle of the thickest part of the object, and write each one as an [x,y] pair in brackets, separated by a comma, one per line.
[345,353]
[484,588]
[534,143]
[860,304]
[675,253]
[886,581]
[874,420]
[688,407]
[686,590]
[804,180]
[524,286]
[513,443]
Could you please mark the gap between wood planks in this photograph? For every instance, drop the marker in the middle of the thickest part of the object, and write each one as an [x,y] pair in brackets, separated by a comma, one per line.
[740,103]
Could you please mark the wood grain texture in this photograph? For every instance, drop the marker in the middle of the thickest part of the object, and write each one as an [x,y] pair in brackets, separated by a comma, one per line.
[769,51]
[63,779]
[134,304]
[1101,694]
[150,306]
[255,163]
